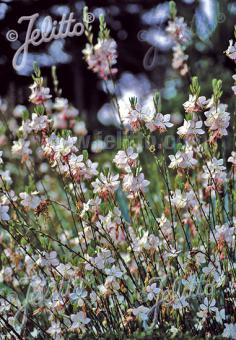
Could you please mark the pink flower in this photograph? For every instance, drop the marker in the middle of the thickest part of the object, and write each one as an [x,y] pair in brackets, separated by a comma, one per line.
[125,160]
[218,120]
[195,104]
[39,94]
[179,30]
[106,185]
[135,184]
[21,148]
[190,130]
[214,173]
[179,60]
[159,123]
[135,118]
[102,57]
[183,159]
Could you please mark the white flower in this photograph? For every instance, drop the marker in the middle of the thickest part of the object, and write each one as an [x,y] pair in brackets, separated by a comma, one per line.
[39,123]
[141,312]
[183,159]
[1,160]
[48,259]
[8,197]
[194,104]
[231,51]
[98,146]
[39,94]
[234,87]
[71,112]
[218,120]
[64,147]
[79,320]
[31,201]
[114,272]
[152,291]
[134,118]
[230,329]
[135,184]
[179,30]
[25,127]
[75,167]
[65,269]
[102,57]
[220,315]
[166,226]
[80,129]
[90,169]
[19,110]
[190,130]
[105,185]
[4,213]
[180,303]
[224,233]
[214,172]
[208,306]
[5,177]
[78,295]
[179,59]
[160,122]
[61,104]
[232,158]
[55,329]
[126,159]
[93,205]
[21,148]
[190,282]
[178,199]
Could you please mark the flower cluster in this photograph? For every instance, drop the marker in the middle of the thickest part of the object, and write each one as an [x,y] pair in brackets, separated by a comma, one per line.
[143,243]
[181,36]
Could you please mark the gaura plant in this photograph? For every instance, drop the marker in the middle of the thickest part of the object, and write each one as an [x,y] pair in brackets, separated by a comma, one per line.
[93,251]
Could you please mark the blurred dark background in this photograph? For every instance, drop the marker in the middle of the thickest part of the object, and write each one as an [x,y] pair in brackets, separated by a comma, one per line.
[144,52]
